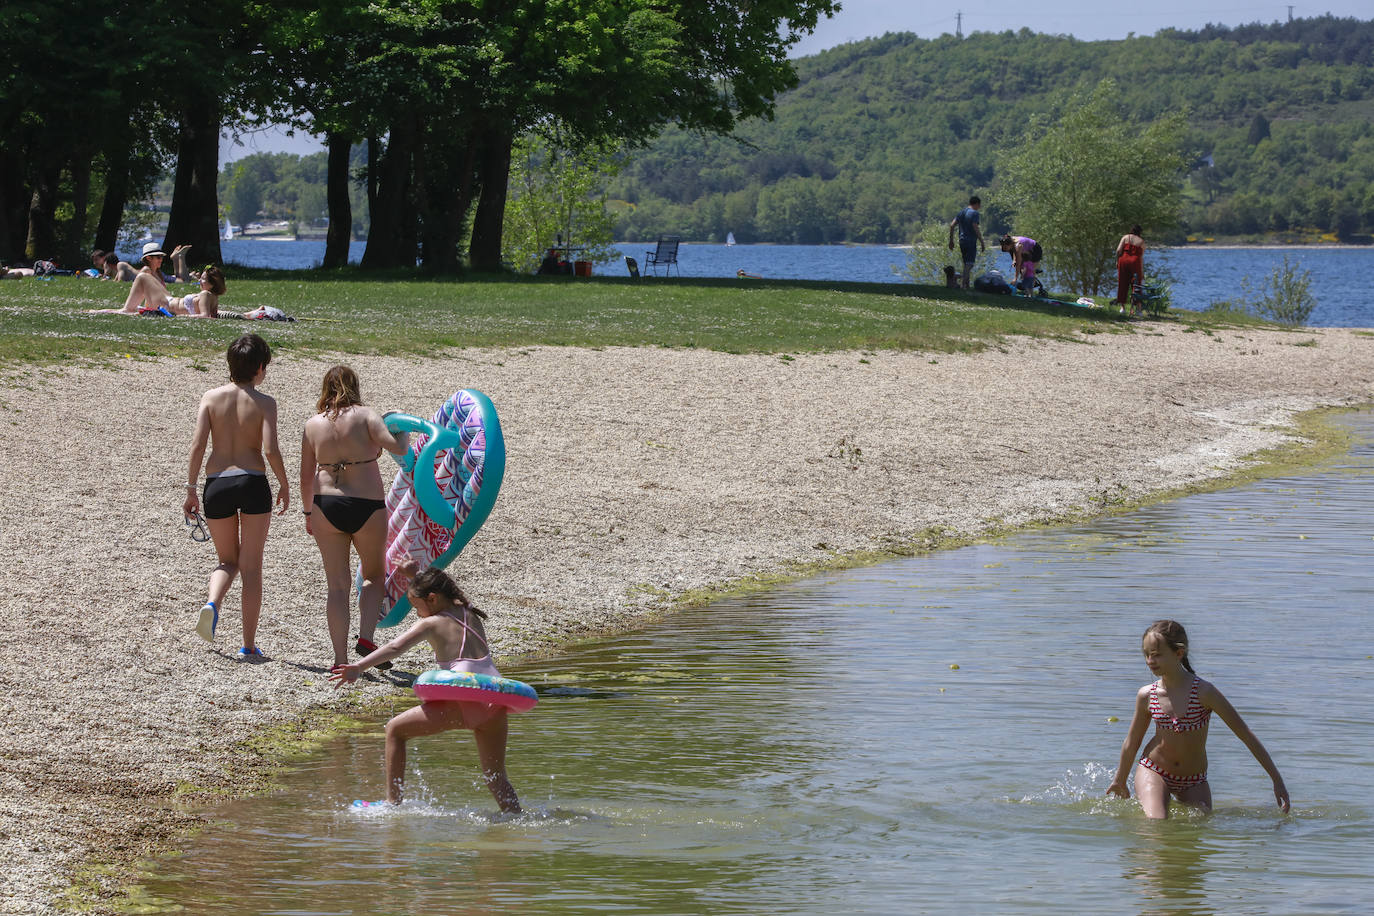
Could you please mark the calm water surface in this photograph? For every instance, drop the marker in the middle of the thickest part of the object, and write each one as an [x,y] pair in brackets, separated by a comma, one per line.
[1202,275]
[815,748]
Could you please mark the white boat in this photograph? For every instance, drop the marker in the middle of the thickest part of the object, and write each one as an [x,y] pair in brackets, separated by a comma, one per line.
[729,238]
[228,231]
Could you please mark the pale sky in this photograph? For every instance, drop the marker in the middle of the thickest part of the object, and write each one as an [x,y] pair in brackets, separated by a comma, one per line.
[1090,20]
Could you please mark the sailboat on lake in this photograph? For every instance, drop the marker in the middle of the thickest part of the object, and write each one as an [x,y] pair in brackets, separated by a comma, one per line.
[729,238]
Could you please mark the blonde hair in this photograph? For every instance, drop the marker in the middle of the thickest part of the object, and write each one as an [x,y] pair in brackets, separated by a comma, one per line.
[338,392]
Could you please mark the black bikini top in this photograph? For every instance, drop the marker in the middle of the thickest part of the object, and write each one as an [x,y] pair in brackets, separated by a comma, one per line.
[338,466]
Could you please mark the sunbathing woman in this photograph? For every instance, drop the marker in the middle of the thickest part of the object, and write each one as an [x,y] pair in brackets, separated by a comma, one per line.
[149,292]
[339,477]
[204,304]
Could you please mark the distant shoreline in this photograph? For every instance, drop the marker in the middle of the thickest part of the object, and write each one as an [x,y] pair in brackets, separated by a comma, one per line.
[1285,246]
[1187,246]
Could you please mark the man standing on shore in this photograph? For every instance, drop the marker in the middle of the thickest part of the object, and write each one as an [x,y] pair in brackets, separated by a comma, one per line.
[967,223]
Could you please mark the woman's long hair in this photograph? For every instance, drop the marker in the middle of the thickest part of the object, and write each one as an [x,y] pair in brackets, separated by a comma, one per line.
[338,392]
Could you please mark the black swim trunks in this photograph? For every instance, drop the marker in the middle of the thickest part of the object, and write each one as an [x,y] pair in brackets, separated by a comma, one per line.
[228,494]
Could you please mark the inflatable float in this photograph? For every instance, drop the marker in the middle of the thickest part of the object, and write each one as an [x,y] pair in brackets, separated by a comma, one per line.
[443,492]
[471,687]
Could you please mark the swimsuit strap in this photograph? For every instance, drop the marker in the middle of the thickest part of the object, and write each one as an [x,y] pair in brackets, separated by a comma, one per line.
[466,630]
[338,466]
[1195,715]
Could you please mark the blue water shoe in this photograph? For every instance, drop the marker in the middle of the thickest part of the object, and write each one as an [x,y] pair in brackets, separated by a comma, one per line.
[209,619]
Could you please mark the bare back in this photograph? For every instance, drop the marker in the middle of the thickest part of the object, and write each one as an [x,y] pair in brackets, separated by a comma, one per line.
[451,641]
[1131,239]
[237,417]
[345,449]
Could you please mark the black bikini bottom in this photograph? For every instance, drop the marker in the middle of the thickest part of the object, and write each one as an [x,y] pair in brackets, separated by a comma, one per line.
[348,513]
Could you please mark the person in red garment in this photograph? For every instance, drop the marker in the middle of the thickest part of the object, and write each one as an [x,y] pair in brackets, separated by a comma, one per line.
[1130,265]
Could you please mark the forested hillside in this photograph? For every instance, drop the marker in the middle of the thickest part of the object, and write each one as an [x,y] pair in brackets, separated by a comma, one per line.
[886,135]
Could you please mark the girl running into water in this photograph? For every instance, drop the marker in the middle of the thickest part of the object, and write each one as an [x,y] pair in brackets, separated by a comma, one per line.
[449,622]
[1181,705]
[242,424]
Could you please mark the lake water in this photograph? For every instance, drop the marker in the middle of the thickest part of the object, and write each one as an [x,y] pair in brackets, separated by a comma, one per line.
[815,749]
[1345,297]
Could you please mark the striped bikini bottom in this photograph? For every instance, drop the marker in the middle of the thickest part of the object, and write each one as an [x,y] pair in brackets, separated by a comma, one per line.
[1175,783]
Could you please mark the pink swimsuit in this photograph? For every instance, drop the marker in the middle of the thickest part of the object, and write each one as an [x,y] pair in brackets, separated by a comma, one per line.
[1195,716]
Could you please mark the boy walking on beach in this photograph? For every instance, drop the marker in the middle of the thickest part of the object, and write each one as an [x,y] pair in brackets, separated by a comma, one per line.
[966,221]
[239,425]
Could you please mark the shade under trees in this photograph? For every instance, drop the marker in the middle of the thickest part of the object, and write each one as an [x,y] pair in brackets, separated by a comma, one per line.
[439,90]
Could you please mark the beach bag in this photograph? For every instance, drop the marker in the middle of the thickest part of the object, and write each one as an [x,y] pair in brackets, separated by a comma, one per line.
[992,282]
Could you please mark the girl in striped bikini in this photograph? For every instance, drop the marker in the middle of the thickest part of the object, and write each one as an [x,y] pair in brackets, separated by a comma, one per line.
[1181,705]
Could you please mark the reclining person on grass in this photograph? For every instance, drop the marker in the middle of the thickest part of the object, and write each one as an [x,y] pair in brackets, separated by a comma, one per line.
[149,296]
[149,292]
[110,267]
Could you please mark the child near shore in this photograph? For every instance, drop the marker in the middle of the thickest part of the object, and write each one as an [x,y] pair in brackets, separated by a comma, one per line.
[242,424]
[1181,705]
[447,620]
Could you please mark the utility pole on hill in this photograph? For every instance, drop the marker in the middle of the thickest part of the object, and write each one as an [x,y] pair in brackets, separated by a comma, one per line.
[1290,12]
[959,22]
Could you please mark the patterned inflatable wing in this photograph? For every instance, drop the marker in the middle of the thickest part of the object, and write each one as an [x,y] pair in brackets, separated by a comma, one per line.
[444,491]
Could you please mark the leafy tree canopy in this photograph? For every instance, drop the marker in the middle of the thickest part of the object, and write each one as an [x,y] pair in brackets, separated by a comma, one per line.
[1084,175]
[899,130]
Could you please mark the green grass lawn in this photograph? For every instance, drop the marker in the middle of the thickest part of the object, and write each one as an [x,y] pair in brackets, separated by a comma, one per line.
[44,321]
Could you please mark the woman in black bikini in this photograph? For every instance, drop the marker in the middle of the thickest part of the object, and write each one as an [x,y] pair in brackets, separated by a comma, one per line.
[341,489]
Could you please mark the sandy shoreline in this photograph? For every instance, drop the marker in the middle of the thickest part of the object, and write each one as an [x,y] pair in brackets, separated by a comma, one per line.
[634,475]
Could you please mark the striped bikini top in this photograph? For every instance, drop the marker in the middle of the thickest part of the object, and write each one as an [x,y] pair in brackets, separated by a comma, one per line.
[1194,717]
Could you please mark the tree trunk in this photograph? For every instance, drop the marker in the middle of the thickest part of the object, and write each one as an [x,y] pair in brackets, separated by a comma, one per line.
[194,219]
[391,238]
[74,251]
[493,174]
[116,197]
[14,210]
[340,206]
[444,193]
[449,205]
[372,143]
[42,236]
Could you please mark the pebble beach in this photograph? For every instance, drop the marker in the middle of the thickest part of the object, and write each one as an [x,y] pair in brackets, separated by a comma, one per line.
[634,478]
